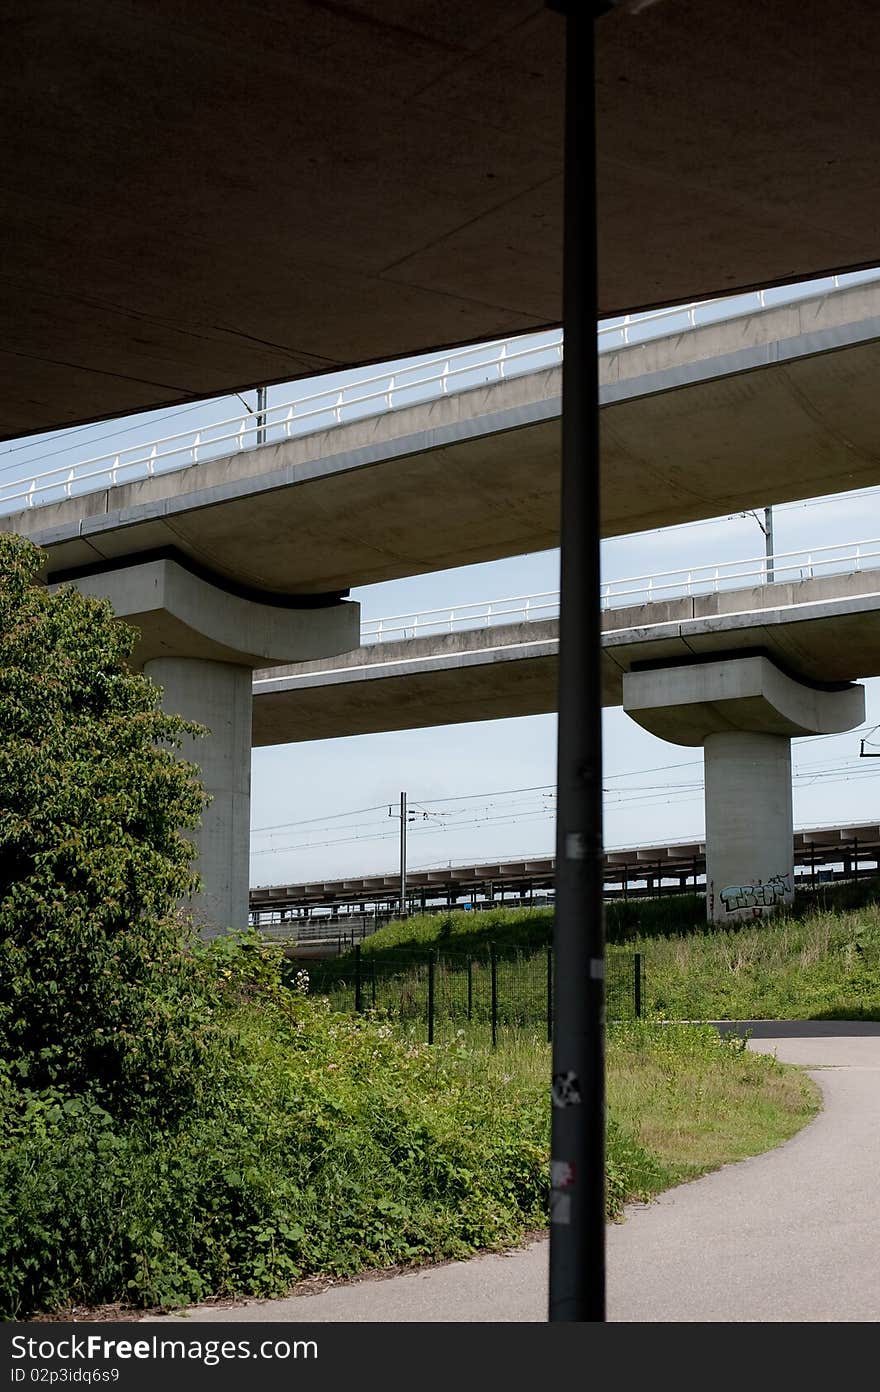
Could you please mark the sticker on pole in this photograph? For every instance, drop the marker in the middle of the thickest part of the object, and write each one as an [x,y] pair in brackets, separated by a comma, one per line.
[561,1174]
[566,1089]
[560,1207]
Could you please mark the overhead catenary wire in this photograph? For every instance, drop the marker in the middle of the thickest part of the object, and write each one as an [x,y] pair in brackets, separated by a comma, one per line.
[631,797]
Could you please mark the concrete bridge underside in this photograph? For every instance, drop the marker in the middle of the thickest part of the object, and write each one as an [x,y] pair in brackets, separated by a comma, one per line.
[739,673]
[779,405]
[396,181]
[819,631]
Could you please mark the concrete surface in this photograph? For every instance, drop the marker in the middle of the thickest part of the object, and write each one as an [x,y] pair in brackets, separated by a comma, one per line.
[179,614]
[749,826]
[688,704]
[824,629]
[200,643]
[779,405]
[400,186]
[218,696]
[788,1236]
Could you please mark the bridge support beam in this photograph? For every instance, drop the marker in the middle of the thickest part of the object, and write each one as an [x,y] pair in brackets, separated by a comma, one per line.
[201,644]
[744,711]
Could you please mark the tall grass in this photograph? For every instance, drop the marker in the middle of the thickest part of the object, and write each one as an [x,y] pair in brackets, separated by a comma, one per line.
[681,1100]
[823,966]
[813,964]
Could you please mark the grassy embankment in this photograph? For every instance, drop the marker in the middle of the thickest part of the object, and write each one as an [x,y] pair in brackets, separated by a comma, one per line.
[819,963]
[334,1144]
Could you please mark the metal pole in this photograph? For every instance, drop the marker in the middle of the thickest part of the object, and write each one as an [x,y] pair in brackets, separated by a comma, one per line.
[637,984]
[358,1003]
[430,997]
[403,855]
[262,393]
[493,968]
[577,1166]
[768,542]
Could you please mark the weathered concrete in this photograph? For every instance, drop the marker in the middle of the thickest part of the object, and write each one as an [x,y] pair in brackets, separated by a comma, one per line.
[218,696]
[405,191]
[777,406]
[749,830]
[201,644]
[818,630]
[688,704]
[179,614]
[744,712]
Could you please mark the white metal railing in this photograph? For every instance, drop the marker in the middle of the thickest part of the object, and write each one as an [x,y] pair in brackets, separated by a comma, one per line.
[373,396]
[787,566]
[431,622]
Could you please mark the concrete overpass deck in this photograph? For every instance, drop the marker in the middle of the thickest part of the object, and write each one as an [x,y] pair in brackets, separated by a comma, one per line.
[822,631]
[776,405]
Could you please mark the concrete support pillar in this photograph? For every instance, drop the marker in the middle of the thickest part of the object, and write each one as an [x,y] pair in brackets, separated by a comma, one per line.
[201,642]
[219,696]
[749,832]
[744,711]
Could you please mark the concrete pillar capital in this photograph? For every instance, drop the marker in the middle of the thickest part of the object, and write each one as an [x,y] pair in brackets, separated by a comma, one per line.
[685,704]
[180,614]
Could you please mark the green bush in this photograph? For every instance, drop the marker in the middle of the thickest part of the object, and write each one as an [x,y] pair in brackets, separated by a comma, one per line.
[97,991]
[336,1146]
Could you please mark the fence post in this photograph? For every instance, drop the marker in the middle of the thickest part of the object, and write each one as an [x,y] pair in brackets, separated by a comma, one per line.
[431,956]
[357,979]
[637,984]
[493,961]
[373,981]
[470,989]
[549,995]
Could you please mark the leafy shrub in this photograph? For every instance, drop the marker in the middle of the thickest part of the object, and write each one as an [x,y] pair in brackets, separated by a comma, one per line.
[96,989]
[336,1145]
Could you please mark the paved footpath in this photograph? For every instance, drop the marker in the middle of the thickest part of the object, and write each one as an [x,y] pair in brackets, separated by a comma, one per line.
[791,1235]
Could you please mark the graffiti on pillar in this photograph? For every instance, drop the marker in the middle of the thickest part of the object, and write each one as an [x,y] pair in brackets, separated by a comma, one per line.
[765,895]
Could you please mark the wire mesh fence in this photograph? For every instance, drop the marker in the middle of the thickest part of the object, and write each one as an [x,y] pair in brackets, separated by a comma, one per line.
[439,993]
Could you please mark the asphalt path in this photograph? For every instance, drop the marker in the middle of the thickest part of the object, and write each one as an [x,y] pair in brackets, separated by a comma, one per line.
[792,1235]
